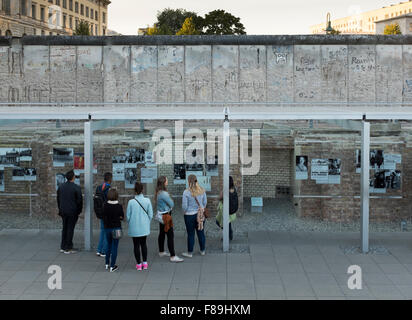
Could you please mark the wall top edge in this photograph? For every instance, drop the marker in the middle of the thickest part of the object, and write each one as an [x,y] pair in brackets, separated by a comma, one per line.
[210,40]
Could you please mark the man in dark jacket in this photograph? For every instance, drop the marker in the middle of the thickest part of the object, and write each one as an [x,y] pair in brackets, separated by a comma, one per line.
[70,204]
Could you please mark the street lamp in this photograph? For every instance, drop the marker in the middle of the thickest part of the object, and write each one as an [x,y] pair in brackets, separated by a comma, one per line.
[329,28]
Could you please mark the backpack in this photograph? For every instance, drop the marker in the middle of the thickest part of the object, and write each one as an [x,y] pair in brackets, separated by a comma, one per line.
[233,202]
[99,199]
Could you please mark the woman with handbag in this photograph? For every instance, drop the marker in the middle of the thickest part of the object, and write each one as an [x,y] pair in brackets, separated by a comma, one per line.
[112,216]
[165,204]
[194,208]
[139,214]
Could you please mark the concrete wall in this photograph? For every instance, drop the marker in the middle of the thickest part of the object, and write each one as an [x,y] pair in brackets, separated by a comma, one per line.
[343,70]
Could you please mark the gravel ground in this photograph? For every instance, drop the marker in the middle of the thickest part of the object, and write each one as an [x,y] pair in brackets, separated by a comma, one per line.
[278,215]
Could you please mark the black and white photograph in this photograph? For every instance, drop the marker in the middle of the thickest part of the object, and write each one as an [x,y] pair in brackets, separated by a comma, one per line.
[10,157]
[60,179]
[393,179]
[1,179]
[378,182]
[358,160]
[179,174]
[130,177]
[334,171]
[194,157]
[301,167]
[212,166]
[62,156]
[376,159]
[25,154]
[133,157]
[149,159]
[18,174]
[118,164]
[30,174]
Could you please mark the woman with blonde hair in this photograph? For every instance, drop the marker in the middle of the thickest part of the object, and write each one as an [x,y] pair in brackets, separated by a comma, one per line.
[193,204]
[165,204]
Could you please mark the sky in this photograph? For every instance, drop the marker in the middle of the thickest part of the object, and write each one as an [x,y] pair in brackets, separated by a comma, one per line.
[258,16]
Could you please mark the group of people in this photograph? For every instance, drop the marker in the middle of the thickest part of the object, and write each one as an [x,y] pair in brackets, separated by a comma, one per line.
[139,214]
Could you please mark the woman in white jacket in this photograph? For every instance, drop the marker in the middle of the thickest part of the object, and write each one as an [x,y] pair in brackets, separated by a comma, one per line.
[139,214]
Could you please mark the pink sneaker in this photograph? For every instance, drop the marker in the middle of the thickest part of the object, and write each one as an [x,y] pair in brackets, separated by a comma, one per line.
[145,265]
[139,267]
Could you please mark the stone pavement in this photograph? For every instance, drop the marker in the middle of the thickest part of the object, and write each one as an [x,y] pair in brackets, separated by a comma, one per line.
[279,265]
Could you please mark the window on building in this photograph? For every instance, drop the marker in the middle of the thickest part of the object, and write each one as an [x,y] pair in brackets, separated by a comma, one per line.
[104,31]
[33,11]
[82,9]
[64,21]
[96,16]
[91,13]
[0,33]
[34,31]
[76,7]
[104,17]
[91,29]
[23,7]
[77,23]
[57,2]
[87,12]
[42,14]
[65,4]
[71,5]
[51,1]
[8,33]
[96,30]
[410,27]
[71,22]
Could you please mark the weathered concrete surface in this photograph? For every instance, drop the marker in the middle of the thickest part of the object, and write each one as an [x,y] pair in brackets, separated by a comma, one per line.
[306,69]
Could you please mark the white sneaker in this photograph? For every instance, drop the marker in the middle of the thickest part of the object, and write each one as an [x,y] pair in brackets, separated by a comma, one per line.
[187,254]
[107,267]
[202,253]
[176,259]
[164,254]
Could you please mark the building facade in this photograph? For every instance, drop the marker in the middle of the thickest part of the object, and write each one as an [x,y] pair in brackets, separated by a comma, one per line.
[52,17]
[365,23]
[404,22]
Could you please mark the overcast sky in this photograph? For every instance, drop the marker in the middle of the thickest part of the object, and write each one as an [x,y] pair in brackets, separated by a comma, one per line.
[258,16]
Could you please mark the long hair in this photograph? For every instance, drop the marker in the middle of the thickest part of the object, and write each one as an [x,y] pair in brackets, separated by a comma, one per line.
[194,187]
[160,186]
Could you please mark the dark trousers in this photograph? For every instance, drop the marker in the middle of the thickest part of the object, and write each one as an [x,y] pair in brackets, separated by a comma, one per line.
[191,228]
[170,240]
[69,223]
[112,245]
[140,242]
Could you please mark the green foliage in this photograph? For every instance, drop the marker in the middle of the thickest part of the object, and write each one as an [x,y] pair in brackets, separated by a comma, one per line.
[221,22]
[170,21]
[393,28]
[176,22]
[83,29]
[188,28]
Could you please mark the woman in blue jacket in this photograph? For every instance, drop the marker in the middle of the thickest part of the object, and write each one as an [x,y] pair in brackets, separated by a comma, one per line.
[139,214]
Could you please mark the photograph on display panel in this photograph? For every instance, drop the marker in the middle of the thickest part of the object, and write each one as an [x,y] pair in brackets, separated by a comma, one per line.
[212,167]
[134,157]
[393,179]
[301,167]
[179,174]
[60,179]
[334,171]
[376,159]
[62,156]
[1,179]
[10,157]
[25,154]
[130,176]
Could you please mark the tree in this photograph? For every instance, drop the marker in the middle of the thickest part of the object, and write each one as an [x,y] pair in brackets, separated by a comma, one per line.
[393,28]
[170,21]
[83,29]
[188,28]
[153,31]
[220,22]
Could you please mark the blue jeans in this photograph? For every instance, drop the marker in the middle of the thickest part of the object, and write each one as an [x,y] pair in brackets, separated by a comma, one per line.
[102,246]
[191,228]
[112,245]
